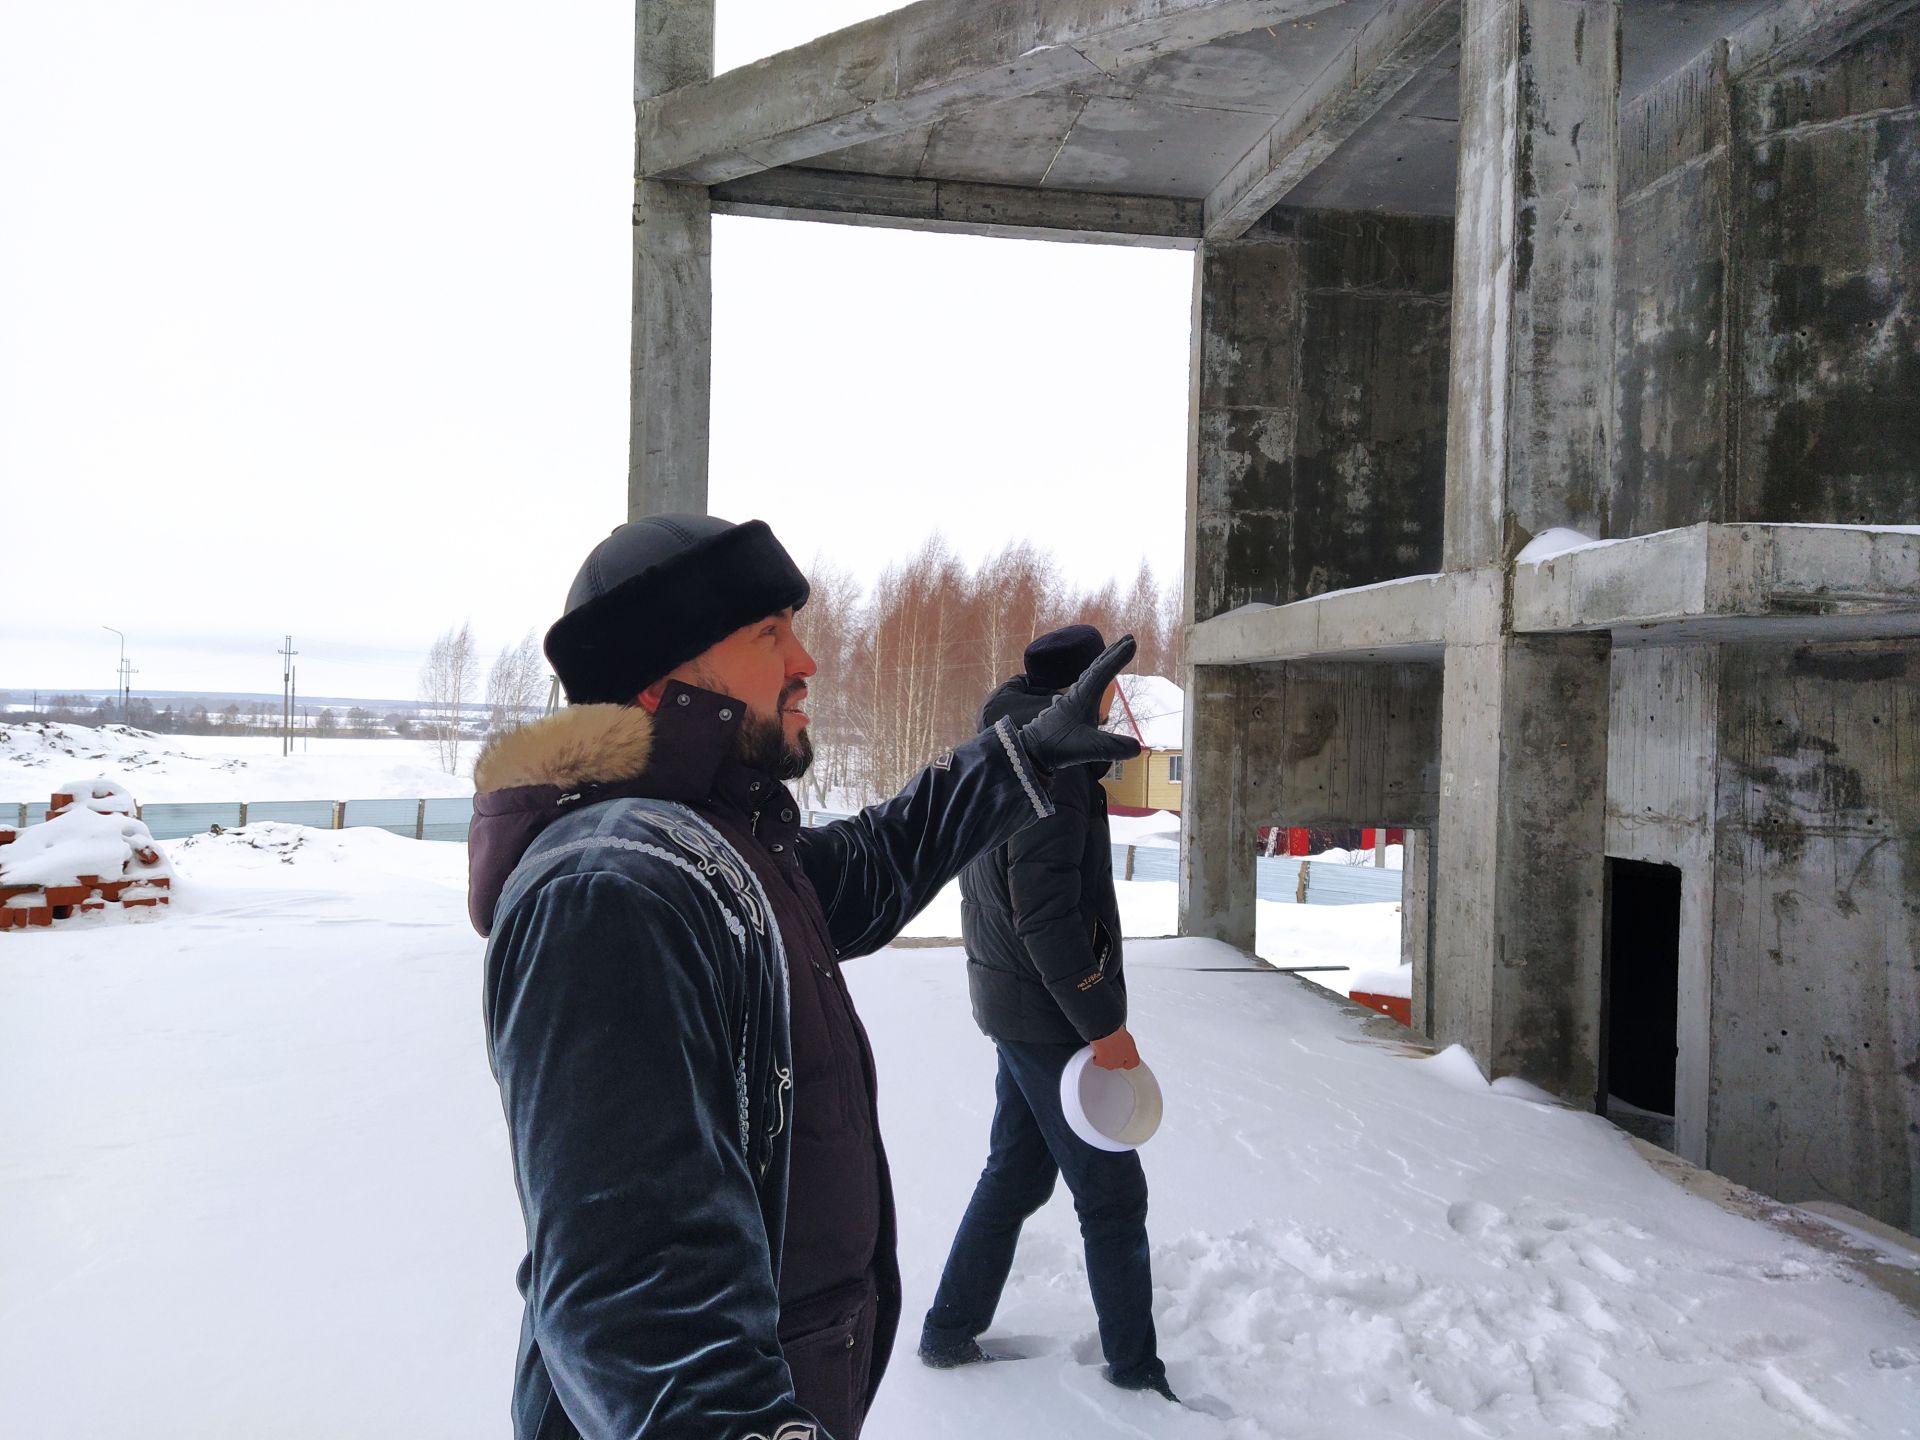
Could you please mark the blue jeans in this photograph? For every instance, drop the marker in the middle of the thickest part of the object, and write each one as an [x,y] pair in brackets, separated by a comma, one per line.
[1031,1145]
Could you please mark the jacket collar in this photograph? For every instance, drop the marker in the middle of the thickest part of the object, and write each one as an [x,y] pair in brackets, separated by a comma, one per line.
[684,752]
[673,754]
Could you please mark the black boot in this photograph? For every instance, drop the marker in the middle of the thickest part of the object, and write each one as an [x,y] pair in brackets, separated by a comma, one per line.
[952,1357]
[1155,1380]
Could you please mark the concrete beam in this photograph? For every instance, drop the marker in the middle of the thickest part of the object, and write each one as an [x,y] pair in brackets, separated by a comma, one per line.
[916,67]
[1804,32]
[1346,744]
[1396,620]
[671,369]
[1851,581]
[1368,71]
[960,208]
[1704,582]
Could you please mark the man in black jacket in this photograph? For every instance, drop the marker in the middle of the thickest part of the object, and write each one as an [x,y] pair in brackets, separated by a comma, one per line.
[1042,931]
[688,1091]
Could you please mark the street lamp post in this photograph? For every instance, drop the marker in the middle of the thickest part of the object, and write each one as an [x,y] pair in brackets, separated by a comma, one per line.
[123,671]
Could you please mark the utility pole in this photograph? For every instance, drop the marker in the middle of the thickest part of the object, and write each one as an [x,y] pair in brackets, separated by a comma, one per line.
[124,672]
[286,696]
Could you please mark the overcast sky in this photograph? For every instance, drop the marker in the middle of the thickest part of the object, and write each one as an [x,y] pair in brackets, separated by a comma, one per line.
[313,318]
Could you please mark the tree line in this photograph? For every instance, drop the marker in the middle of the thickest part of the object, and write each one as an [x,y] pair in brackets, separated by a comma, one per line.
[904,668]
[200,717]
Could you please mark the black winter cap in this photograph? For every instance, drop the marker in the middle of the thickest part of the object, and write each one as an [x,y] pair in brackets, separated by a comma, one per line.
[659,591]
[1054,660]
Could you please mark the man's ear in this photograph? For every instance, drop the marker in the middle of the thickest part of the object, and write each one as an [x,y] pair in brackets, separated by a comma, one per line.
[649,698]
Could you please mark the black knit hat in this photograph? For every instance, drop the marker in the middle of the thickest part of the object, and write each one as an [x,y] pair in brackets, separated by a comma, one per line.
[659,591]
[1055,659]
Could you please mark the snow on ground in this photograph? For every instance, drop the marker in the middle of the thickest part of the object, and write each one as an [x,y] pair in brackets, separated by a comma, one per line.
[1395,857]
[255,1182]
[1162,827]
[188,769]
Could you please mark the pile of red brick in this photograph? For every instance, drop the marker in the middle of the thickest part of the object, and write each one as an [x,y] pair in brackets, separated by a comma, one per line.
[144,883]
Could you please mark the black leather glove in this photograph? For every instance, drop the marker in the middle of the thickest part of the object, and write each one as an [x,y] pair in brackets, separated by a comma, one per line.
[1068,731]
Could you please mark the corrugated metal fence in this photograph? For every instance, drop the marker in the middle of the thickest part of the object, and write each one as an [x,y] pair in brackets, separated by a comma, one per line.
[447,818]
[444,818]
[1278,876]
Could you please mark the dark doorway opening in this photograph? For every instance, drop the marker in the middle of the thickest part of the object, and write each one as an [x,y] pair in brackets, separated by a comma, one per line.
[1640,998]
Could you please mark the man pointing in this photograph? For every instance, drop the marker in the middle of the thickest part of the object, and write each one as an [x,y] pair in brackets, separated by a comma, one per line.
[689,1094]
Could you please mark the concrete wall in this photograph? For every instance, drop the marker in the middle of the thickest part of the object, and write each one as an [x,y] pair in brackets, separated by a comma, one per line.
[1828,262]
[1320,425]
[1343,743]
[1783,211]
[1669,308]
[1815,1085]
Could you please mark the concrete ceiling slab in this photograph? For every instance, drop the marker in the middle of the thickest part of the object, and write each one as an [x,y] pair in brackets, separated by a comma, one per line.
[1173,127]
[1264,70]
[1149,146]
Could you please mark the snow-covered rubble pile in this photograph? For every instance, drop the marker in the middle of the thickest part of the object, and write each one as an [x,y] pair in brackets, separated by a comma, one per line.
[90,853]
[42,745]
[268,842]
[221,768]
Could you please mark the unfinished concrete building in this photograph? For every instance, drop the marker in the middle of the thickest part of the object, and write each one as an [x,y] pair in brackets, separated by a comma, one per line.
[1468,272]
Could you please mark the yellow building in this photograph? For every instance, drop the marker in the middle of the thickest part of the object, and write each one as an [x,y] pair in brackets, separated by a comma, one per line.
[1151,709]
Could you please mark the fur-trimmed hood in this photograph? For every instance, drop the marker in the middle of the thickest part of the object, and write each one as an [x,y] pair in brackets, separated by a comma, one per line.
[581,745]
[526,779]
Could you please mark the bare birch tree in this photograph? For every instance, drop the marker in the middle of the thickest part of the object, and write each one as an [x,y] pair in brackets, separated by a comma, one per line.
[446,684]
[517,684]
[1016,589]
[1140,616]
[1173,612]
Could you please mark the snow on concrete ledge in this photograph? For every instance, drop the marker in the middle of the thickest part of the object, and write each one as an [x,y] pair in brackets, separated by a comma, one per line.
[1728,581]
[1403,619]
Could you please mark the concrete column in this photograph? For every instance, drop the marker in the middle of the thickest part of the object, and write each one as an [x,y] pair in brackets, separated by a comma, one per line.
[671,375]
[1217,828]
[1237,540]
[1416,922]
[1519,874]
[1519,870]
[1529,441]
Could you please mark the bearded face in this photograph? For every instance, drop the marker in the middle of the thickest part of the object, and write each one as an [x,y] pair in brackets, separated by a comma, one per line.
[762,743]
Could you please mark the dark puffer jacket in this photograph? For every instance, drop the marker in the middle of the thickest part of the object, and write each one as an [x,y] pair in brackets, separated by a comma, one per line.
[688,1092]
[1038,913]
